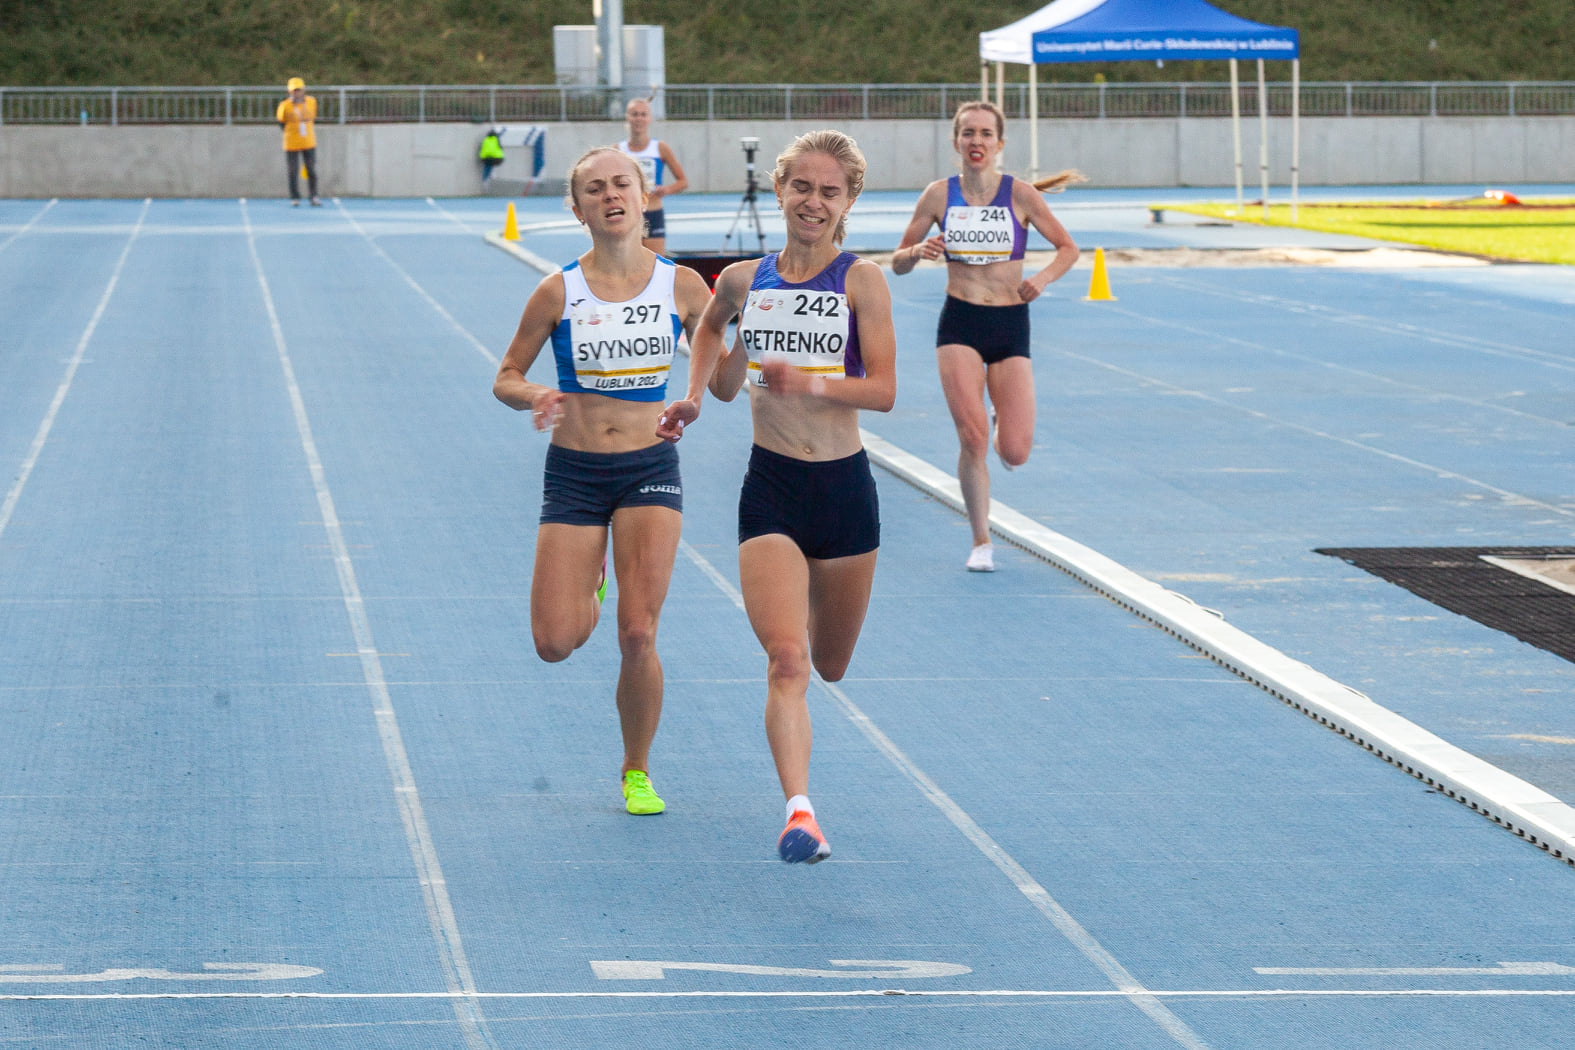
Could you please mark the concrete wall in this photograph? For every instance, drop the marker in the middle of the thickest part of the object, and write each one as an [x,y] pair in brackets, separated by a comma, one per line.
[418,160]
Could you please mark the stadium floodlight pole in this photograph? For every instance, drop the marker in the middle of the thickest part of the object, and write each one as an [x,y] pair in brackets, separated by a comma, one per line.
[609,47]
[1235,126]
[1263,138]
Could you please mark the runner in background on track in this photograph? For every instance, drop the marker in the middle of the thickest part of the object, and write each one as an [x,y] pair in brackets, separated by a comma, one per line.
[661,167]
[982,338]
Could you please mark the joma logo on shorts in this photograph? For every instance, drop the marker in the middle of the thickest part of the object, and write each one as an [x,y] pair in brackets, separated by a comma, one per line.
[671,490]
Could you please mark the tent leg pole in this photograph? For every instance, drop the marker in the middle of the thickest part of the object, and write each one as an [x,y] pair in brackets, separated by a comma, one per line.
[984,81]
[1263,138]
[1296,133]
[1033,121]
[1000,85]
[1235,127]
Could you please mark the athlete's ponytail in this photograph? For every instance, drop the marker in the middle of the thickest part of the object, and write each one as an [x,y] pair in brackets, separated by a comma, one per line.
[1059,181]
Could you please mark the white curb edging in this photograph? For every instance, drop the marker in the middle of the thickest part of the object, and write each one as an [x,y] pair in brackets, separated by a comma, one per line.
[524,255]
[1506,799]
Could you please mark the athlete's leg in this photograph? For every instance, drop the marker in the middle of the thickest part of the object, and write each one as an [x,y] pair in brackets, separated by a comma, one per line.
[563,605]
[309,158]
[774,576]
[839,596]
[645,541]
[1011,385]
[962,378]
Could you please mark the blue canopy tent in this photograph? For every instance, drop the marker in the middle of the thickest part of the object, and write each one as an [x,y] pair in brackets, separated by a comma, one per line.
[1118,30]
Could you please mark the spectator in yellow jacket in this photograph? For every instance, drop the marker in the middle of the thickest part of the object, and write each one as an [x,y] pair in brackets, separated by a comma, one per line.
[297,115]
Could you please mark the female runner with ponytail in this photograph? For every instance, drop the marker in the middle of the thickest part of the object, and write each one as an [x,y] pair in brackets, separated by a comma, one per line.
[982,338]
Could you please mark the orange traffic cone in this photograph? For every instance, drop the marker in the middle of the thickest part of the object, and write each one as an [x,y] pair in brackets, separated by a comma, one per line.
[1099,285]
[511,227]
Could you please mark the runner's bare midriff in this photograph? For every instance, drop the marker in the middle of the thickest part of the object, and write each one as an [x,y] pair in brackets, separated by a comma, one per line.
[595,423]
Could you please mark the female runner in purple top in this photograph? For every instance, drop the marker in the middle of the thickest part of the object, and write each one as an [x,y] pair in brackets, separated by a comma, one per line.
[982,339]
[815,344]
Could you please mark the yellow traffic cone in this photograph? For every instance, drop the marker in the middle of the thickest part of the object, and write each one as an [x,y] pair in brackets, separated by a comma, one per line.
[304,173]
[1099,286]
[511,227]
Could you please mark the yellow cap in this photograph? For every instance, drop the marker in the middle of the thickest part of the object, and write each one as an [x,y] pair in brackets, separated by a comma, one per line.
[295,82]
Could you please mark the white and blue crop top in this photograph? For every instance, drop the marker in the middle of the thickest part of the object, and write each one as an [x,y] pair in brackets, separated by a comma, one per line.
[622,350]
[650,161]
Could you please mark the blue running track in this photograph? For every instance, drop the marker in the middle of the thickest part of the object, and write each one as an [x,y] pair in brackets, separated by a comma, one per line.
[279,766]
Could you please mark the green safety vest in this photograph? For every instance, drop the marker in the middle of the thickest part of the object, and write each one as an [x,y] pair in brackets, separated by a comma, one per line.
[491,148]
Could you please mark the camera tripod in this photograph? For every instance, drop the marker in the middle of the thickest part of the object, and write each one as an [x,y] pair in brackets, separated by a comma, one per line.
[747,205]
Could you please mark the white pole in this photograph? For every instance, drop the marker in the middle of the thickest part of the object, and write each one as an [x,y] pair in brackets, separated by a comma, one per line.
[984,80]
[1000,85]
[1033,121]
[1263,137]
[1296,131]
[609,39]
[1235,127]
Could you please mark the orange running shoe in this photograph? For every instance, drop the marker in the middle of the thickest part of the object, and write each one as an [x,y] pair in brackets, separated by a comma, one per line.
[802,841]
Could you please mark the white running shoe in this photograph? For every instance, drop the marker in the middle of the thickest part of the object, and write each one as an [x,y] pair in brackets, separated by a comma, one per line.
[981,558]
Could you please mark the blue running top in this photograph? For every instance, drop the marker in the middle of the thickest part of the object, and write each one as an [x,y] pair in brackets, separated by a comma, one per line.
[982,234]
[810,322]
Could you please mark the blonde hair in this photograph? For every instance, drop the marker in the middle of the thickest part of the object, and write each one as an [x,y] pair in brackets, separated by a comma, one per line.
[840,148]
[571,181]
[1049,183]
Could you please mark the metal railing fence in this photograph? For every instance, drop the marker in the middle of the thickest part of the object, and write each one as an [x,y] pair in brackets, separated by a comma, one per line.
[501,103]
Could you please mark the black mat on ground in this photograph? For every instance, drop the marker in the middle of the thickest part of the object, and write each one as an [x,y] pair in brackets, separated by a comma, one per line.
[1457,579]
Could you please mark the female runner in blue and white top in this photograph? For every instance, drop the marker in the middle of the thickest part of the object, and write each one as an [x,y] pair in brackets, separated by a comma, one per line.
[816,344]
[662,170]
[612,318]
[982,339]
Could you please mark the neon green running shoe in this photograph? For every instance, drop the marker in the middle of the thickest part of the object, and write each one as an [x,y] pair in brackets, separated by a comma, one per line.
[638,795]
[601,590]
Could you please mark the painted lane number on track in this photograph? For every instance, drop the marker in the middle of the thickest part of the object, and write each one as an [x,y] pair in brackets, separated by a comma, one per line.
[50,974]
[871,969]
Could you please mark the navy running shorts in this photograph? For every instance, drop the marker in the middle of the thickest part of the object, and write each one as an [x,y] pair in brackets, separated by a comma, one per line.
[584,488]
[656,223]
[830,508]
[995,332]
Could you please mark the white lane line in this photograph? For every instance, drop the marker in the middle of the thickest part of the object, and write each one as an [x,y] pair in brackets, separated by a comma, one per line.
[1407,331]
[39,215]
[1505,799]
[1503,969]
[8,508]
[1085,942]
[434,889]
[461,329]
[857,993]
[1513,498]
[1442,395]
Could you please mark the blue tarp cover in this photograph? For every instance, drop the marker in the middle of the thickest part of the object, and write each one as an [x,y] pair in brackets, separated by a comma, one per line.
[1115,30]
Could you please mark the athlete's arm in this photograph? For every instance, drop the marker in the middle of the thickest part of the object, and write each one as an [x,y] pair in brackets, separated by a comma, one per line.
[706,349]
[914,246]
[870,301]
[1030,206]
[542,313]
[680,181]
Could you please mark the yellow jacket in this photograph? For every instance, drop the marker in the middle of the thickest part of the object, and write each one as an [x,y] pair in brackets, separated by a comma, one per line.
[300,123]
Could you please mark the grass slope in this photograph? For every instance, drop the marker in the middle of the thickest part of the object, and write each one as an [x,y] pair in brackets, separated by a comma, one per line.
[200,42]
